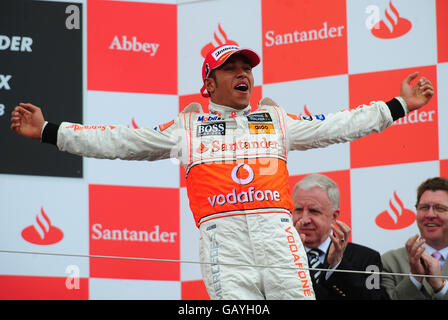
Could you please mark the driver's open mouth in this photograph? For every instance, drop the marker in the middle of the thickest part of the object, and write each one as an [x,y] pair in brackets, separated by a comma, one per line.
[242,87]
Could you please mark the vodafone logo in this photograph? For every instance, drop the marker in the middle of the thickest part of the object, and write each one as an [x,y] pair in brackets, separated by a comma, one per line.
[42,232]
[251,195]
[393,27]
[220,38]
[246,180]
[399,218]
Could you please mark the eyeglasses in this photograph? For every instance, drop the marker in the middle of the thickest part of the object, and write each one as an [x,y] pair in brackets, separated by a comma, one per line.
[437,208]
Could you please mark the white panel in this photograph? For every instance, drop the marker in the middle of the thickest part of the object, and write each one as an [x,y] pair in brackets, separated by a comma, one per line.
[147,110]
[367,53]
[197,23]
[115,289]
[65,203]
[320,95]
[189,245]
[442,108]
[373,188]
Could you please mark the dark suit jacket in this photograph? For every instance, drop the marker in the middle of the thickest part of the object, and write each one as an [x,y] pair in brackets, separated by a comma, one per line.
[352,286]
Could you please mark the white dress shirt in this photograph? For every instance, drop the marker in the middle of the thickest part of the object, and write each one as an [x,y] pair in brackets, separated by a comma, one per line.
[323,247]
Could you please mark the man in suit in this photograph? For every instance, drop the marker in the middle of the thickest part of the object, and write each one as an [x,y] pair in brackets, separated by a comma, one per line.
[315,216]
[425,254]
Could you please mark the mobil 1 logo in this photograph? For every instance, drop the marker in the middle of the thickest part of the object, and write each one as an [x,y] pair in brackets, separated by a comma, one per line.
[40,63]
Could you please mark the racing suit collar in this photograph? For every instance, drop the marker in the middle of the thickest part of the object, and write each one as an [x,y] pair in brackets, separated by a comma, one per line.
[227,112]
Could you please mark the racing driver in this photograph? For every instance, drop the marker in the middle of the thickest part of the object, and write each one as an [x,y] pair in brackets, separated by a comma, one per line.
[235,162]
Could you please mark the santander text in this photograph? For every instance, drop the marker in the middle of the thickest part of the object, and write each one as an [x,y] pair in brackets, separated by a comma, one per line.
[296,36]
[98,232]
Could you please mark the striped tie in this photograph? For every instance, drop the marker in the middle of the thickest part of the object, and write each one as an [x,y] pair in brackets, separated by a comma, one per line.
[313,262]
[438,256]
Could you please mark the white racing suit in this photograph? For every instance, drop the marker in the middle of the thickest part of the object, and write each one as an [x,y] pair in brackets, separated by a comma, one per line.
[237,183]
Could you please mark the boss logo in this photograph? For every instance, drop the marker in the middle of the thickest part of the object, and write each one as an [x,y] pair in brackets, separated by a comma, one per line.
[213,129]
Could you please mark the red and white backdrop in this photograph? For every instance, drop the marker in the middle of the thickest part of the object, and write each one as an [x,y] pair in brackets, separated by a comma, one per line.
[142,65]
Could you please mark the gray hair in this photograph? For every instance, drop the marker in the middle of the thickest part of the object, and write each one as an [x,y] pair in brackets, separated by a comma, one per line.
[320,181]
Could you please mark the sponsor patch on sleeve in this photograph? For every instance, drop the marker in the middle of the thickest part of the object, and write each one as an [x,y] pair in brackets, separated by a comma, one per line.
[77,127]
[165,126]
[295,117]
[307,117]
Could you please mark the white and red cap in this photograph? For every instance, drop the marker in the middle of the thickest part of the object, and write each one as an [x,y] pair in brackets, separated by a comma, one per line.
[217,56]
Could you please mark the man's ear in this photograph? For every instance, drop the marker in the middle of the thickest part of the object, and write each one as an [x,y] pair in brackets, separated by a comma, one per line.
[210,85]
[335,215]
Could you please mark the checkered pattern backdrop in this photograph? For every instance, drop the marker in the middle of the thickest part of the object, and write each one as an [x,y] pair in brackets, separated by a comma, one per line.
[142,65]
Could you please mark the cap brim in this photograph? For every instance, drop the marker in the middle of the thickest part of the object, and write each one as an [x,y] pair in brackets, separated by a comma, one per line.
[251,55]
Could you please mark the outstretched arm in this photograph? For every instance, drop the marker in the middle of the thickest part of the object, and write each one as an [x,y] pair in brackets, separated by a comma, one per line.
[97,141]
[347,125]
[27,120]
